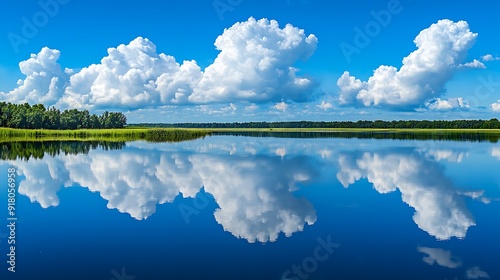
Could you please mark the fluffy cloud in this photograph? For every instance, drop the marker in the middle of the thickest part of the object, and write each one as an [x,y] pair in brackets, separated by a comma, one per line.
[255,64]
[439,210]
[477,195]
[441,49]
[282,106]
[473,64]
[495,106]
[439,256]
[489,57]
[45,81]
[325,105]
[438,104]
[251,107]
[476,273]
[132,76]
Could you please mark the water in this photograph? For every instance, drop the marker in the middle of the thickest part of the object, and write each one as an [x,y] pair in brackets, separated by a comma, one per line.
[233,207]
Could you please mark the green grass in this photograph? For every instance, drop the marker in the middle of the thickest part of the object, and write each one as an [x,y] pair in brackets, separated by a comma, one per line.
[115,135]
[182,134]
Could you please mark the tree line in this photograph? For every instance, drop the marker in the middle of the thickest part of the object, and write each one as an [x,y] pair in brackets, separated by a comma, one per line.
[39,117]
[433,135]
[436,124]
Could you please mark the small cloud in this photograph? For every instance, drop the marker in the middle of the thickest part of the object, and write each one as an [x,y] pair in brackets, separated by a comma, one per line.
[438,104]
[496,106]
[489,57]
[230,108]
[473,64]
[477,195]
[282,106]
[251,107]
[439,256]
[325,105]
[476,273]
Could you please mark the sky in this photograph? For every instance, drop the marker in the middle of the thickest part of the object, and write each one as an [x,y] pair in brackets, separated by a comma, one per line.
[242,60]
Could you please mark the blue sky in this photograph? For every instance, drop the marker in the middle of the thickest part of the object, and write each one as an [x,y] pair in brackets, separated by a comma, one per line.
[251,76]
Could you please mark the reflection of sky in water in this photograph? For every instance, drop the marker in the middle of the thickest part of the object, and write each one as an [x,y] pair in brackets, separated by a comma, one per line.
[254,195]
[439,210]
[264,188]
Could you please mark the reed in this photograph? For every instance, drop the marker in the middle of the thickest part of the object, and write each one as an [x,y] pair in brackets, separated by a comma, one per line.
[119,134]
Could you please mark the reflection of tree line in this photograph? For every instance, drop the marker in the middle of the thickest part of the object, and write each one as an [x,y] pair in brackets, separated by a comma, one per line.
[443,136]
[37,150]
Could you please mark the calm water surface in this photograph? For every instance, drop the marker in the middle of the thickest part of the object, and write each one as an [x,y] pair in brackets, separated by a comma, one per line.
[232,207]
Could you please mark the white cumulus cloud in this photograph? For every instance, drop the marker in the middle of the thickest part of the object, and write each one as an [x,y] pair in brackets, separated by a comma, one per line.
[441,49]
[495,106]
[255,65]
[282,106]
[489,57]
[45,81]
[325,105]
[132,76]
[438,104]
[473,64]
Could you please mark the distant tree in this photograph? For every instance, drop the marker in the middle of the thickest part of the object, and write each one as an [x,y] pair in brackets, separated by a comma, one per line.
[94,122]
[52,118]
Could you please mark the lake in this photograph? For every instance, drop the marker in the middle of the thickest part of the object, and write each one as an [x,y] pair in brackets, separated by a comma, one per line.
[247,207]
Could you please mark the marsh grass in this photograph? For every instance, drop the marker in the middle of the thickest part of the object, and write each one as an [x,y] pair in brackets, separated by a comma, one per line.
[112,135]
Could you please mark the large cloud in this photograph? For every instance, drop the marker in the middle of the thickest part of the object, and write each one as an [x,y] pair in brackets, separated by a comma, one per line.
[133,76]
[255,64]
[45,81]
[441,50]
[439,210]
